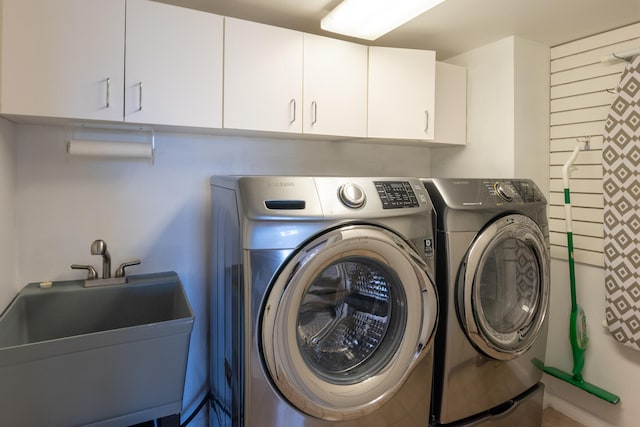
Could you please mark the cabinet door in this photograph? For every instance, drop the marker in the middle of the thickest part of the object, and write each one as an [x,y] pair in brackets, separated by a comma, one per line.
[401,93]
[451,104]
[173,62]
[335,87]
[63,58]
[262,77]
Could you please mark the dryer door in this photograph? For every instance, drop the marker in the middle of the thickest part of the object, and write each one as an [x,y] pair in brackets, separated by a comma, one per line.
[503,287]
[346,321]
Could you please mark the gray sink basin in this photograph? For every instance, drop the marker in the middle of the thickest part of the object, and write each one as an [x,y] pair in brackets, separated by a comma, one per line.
[109,356]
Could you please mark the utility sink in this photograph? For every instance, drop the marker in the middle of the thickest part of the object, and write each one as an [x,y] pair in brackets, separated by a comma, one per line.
[105,356]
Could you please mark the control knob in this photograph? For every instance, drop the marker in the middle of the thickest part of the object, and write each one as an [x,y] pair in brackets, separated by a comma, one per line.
[505,192]
[351,195]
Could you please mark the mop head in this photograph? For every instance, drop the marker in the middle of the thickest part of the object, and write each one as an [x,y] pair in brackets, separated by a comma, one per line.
[582,384]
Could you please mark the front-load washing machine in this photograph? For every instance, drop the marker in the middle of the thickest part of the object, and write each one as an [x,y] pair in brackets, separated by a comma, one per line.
[323,308]
[492,275]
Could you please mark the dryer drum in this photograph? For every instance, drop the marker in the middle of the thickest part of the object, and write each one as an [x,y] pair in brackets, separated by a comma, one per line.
[504,287]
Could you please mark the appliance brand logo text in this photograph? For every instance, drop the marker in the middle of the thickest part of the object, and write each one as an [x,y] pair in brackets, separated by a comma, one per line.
[282,184]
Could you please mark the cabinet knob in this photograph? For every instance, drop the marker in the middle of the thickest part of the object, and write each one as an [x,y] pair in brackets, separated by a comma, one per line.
[292,109]
[314,112]
[426,125]
[108,98]
[140,96]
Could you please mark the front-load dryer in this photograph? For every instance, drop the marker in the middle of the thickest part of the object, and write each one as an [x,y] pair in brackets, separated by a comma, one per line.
[323,308]
[492,275]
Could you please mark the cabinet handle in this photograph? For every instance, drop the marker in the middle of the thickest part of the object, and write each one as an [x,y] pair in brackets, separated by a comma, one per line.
[292,108]
[314,113]
[426,125]
[140,97]
[108,103]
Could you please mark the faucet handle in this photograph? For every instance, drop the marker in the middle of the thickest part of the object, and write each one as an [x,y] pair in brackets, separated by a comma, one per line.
[92,274]
[120,270]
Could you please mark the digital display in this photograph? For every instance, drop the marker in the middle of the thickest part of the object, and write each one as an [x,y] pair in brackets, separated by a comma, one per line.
[396,194]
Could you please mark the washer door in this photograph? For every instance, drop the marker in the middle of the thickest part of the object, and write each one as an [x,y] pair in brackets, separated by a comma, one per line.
[503,287]
[346,321]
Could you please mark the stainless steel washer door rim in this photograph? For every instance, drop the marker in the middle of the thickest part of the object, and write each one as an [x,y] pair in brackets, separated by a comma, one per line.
[505,287]
[372,300]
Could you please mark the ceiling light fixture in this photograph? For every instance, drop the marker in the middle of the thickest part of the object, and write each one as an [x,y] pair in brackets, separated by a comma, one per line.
[370,19]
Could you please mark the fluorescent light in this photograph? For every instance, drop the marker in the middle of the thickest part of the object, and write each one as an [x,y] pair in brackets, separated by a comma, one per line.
[370,19]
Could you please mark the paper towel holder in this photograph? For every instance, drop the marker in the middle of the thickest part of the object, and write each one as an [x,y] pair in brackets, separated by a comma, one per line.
[110,142]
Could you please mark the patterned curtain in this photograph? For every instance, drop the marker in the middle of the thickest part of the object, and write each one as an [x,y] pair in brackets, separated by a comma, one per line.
[621,180]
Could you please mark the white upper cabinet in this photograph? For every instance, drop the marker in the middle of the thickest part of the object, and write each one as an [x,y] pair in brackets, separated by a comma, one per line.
[63,58]
[173,65]
[262,77]
[451,104]
[182,67]
[401,93]
[286,81]
[66,58]
[335,87]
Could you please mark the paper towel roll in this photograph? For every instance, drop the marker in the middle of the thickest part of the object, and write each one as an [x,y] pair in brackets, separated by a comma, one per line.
[131,150]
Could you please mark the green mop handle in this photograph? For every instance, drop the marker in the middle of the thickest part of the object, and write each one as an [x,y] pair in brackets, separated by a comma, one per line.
[572,269]
[577,320]
[566,176]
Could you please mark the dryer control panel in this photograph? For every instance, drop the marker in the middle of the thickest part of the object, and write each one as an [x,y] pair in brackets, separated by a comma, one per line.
[513,191]
[483,193]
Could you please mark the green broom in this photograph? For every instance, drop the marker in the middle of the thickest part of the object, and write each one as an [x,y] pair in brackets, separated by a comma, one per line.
[577,319]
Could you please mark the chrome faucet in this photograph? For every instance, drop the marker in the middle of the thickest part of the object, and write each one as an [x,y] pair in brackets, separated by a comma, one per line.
[99,247]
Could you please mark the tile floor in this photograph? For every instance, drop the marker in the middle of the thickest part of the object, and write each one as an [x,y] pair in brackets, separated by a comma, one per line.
[553,418]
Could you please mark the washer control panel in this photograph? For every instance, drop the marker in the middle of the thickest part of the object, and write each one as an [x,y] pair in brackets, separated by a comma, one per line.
[320,198]
[396,194]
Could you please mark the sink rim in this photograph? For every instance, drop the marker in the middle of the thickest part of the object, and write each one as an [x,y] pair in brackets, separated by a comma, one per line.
[11,354]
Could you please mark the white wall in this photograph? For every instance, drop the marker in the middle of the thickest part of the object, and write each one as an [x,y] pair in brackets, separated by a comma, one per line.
[490,91]
[160,213]
[507,114]
[531,112]
[8,263]
[608,364]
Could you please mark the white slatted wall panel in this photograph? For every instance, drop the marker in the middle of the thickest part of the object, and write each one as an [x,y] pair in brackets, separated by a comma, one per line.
[581,92]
